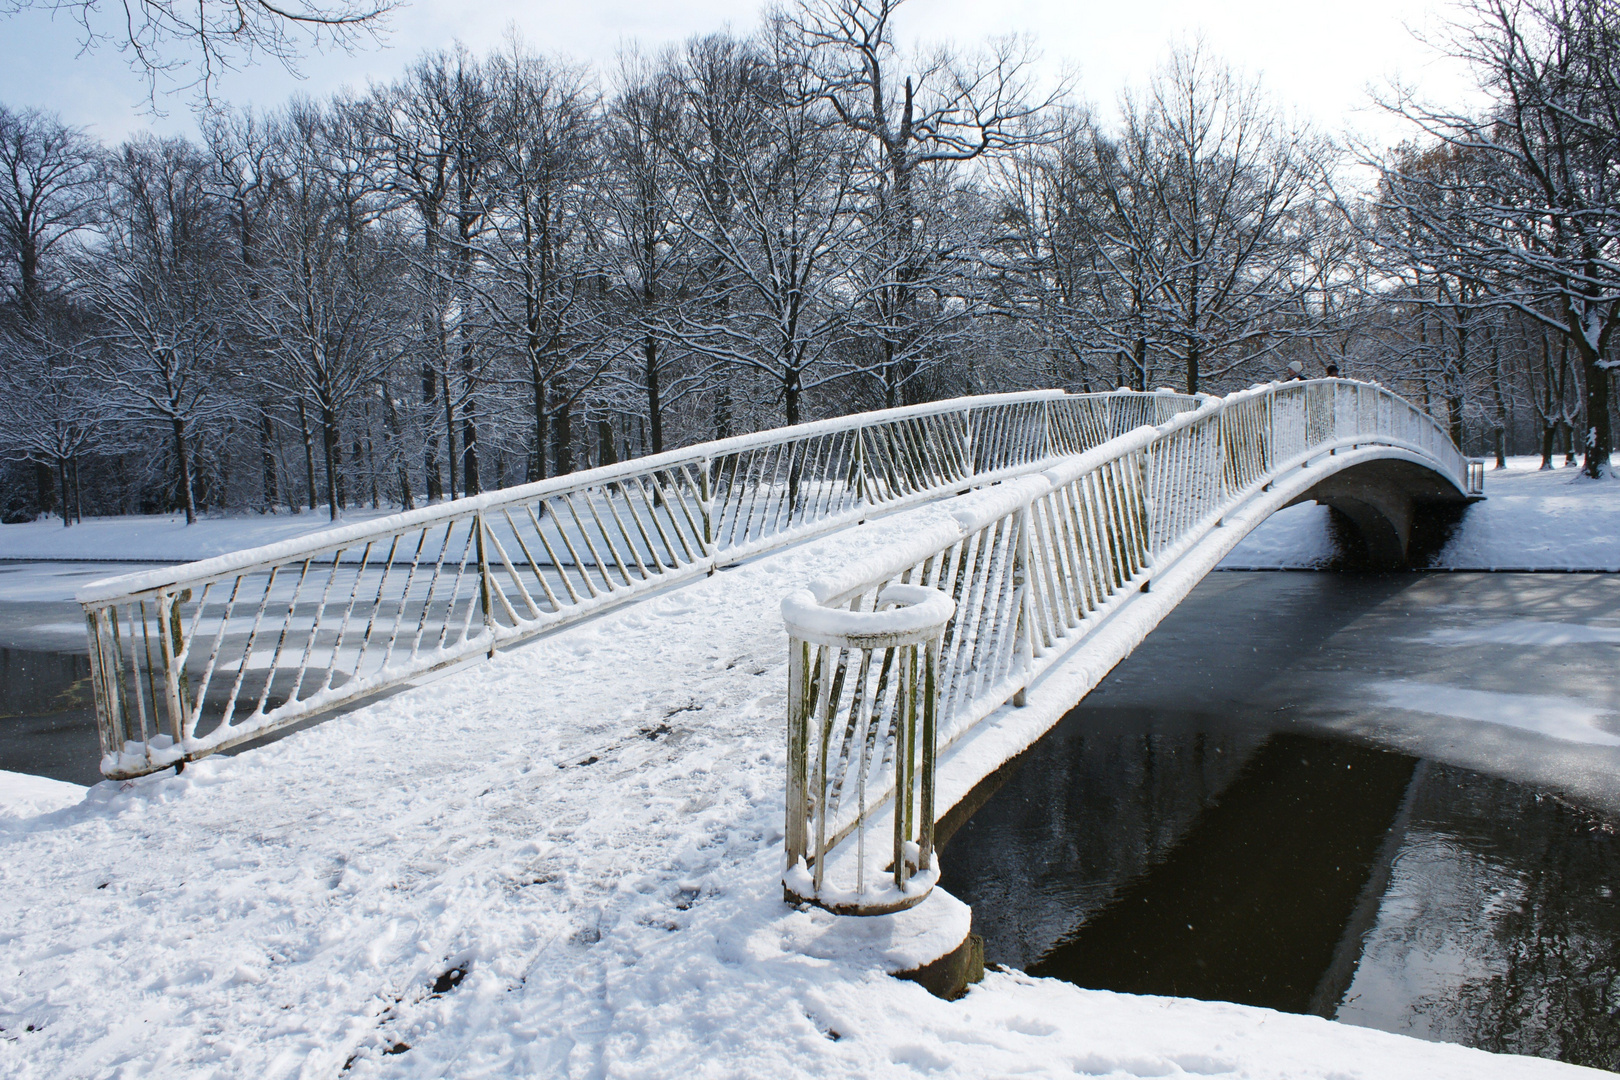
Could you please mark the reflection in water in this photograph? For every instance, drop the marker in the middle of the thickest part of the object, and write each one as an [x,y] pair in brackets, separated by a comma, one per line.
[1318,876]
[1501,920]
[48,716]
[1250,905]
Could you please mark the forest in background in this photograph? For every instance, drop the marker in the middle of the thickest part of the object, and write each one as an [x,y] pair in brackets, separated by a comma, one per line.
[506,267]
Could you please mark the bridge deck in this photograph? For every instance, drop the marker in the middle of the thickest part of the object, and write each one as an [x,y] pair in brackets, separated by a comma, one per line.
[591,826]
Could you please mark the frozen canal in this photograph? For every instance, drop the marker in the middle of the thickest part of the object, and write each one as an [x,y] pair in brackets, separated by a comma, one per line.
[1386,800]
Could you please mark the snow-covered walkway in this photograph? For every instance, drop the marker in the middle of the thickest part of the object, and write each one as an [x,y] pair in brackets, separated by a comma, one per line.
[589,829]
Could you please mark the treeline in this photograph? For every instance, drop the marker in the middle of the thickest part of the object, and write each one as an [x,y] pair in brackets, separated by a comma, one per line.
[507,267]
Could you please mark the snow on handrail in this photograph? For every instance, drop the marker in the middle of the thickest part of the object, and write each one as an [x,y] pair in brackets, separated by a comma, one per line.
[1033,565]
[189,660]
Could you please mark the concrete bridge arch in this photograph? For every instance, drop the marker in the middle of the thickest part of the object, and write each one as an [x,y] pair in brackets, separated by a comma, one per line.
[1393,512]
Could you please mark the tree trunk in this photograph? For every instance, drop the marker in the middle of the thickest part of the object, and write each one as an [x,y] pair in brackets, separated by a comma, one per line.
[604,443]
[329,443]
[61,474]
[655,408]
[430,455]
[722,411]
[450,433]
[470,484]
[1194,352]
[537,456]
[397,435]
[182,454]
[790,397]
[562,433]
[267,461]
[309,455]
[1596,438]
[371,464]
[44,487]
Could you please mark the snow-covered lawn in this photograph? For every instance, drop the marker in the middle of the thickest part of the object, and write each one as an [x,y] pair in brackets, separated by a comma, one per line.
[1530,520]
[589,829]
[162,538]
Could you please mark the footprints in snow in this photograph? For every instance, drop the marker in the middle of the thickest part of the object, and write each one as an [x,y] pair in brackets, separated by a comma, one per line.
[661,730]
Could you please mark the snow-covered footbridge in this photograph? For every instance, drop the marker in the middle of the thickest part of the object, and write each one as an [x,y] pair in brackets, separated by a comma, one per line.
[1046,534]
[568,859]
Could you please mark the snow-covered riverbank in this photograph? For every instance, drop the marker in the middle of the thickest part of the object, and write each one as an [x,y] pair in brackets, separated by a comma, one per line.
[161,537]
[1530,520]
[589,828]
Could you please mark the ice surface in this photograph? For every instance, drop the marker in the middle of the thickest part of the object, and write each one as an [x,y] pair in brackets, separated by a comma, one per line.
[1527,632]
[1543,714]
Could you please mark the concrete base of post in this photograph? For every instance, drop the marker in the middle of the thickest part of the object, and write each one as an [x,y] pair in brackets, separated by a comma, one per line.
[951,975]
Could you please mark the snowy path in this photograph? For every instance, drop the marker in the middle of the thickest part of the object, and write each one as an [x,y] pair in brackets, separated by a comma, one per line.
[589,827]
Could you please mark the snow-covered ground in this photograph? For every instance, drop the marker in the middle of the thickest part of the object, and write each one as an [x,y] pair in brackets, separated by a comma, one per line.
[563,862]
[23,795]
[1530,520]
[164,537]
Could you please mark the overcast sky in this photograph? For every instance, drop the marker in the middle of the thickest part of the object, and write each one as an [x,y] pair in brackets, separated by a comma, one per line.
[1317,59]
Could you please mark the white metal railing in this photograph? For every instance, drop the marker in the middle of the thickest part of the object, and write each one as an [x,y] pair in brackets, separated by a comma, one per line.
[189,660]
[1028,567]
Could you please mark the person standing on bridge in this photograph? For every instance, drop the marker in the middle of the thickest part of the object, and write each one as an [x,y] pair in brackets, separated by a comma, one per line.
[1332,371]
[1296,372]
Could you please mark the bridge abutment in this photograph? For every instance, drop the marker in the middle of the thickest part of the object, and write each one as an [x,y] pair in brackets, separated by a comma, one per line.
[1398,510]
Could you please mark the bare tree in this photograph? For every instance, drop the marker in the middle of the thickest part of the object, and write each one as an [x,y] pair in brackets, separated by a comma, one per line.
[1229,181]
[779,228]
[542,255]
[1533,221]
[155,287]
[320,302]
[52,411]
[642,124]
[435,128]
[1083,237]
[937,110]
[246,181]
[194,43]
[47,190]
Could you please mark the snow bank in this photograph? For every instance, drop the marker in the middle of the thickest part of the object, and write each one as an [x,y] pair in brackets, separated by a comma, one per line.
[25,796]
[1530,520]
